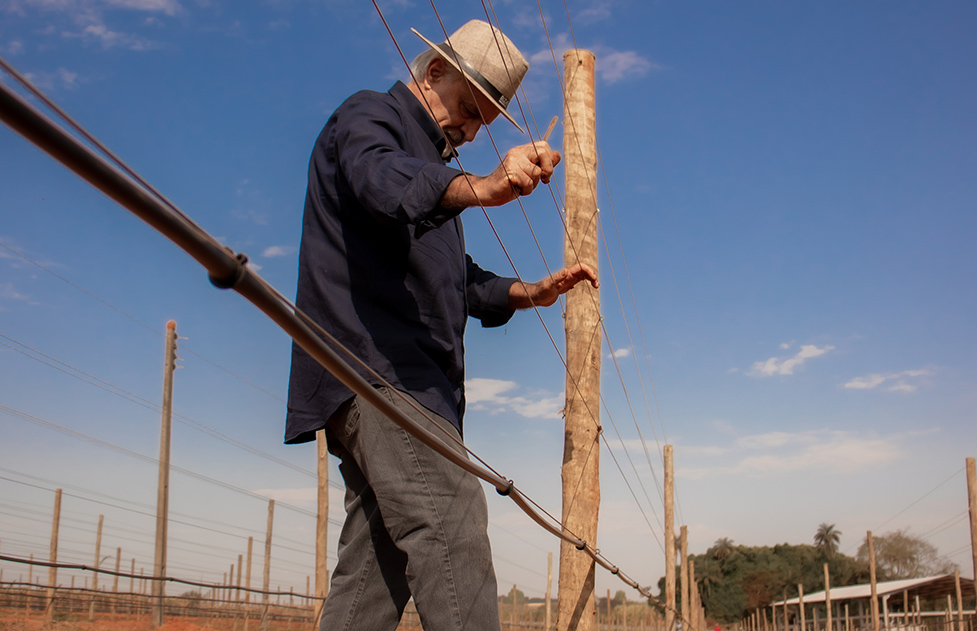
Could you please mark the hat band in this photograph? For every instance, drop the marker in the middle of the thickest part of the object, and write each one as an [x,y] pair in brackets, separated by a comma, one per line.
[474,75]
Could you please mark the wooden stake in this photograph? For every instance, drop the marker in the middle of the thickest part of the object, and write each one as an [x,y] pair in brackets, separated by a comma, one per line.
[115,579]
[827,597]
[871,573]
[684,564]
[802,614]
[549,587]
[669,541]
[247,577]
[267,576]
[52,573]
[321,524]
[98,558]
[581,487]
[956,578]
[972,504]
[163,490]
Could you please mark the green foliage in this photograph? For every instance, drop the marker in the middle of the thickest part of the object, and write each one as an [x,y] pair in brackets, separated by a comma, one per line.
[734,580]
[826,539]
[517,594]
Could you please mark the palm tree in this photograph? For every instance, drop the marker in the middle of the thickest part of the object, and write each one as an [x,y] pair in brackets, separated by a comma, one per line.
[826,539]
[722,548]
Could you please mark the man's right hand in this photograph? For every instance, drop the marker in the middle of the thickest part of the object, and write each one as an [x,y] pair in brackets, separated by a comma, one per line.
[521,171]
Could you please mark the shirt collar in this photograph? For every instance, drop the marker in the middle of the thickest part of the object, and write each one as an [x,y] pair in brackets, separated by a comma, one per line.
[417,110]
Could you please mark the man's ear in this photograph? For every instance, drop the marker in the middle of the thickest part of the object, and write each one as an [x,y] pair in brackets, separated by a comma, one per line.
[435,70]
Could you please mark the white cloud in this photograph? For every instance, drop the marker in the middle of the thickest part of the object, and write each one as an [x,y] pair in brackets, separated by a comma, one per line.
[278,250]
[600,10]
[786,366]
[827,451]
[60,78]
[491,395]
[169,7]
[254,267]
[14,47]
[611,65]
[900,384]
[8,292]
[784,346]
[621,353]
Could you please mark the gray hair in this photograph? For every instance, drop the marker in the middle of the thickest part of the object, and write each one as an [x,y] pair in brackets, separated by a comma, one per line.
[419,66]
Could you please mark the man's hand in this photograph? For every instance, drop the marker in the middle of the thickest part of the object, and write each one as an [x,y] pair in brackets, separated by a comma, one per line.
[522,169]
[545,292]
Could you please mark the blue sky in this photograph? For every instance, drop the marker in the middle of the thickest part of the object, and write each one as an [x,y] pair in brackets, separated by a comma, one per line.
[789,213]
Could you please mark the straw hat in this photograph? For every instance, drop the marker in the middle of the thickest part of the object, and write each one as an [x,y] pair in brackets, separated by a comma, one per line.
[474,50]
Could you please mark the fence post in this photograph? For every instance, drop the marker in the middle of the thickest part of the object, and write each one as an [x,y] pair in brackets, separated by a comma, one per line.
[98,558]
[163,488]
[669,541]
[871,573]
[827,597]
[115,580]
[972,506]
[684,564]
[580,482]
[267,576]
[549,586]
[802,617]
[52,574]
[321,524]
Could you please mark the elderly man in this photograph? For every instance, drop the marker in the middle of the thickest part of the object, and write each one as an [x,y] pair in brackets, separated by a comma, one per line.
[383,268]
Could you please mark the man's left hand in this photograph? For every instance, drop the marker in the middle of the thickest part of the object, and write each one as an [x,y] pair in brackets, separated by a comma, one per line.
[545,292]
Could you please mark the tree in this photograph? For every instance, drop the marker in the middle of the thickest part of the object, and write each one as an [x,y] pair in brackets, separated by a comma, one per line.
[901,555]
[826,539]
[722,548]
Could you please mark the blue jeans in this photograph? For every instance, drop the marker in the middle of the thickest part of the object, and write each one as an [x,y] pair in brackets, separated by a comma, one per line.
[415,525]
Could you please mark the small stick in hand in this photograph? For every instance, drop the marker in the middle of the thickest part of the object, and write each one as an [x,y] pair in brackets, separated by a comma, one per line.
[549,129]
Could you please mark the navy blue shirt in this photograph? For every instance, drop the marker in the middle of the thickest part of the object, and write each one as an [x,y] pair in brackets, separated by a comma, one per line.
[382,266]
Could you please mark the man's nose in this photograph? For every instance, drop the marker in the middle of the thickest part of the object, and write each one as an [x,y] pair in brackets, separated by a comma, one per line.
[471,129]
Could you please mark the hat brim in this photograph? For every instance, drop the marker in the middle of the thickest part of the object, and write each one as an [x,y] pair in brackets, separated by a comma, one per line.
[471,82]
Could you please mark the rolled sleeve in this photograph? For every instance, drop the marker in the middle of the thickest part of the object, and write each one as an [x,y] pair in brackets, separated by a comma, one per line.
[488,295]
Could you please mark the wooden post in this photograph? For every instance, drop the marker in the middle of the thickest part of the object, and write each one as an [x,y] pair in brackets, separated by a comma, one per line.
[847,619]
[132,586]
[684,564]
[163,490]
[247,576]
[115,580]
[669,540]
[607,607]
[871,573]
[549,587]
[581,486]
[693,598]
[802,614]
[905,607]
[512,612]
[52,573]
[786,627]
[972,504]
[322,525]
[98,558]
[827,597]
[267,576]
[956,578]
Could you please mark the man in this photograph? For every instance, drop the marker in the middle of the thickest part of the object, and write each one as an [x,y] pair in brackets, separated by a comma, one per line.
[383,268]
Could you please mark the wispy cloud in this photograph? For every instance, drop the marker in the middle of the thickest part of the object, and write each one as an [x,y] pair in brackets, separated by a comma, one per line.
[786,365]
[828,451]
[87,19]
[13,47]
[895,382]
[612,65]
[620,353]
[278,250]
[9,292]
[597,11]
[498,396]
[60,78]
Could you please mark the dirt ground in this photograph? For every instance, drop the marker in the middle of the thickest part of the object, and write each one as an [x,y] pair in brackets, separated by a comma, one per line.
[10,621]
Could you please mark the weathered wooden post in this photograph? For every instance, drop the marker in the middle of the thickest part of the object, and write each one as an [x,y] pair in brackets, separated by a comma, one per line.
[972,504]
[115,580]
[956,578]
[98,558]
[267,576]
[321,524]
[549,587]
[581,448]
[163,490]
[52,573]
[802,614]
[871,572]
[669,540]
[684,560]
[827,597]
